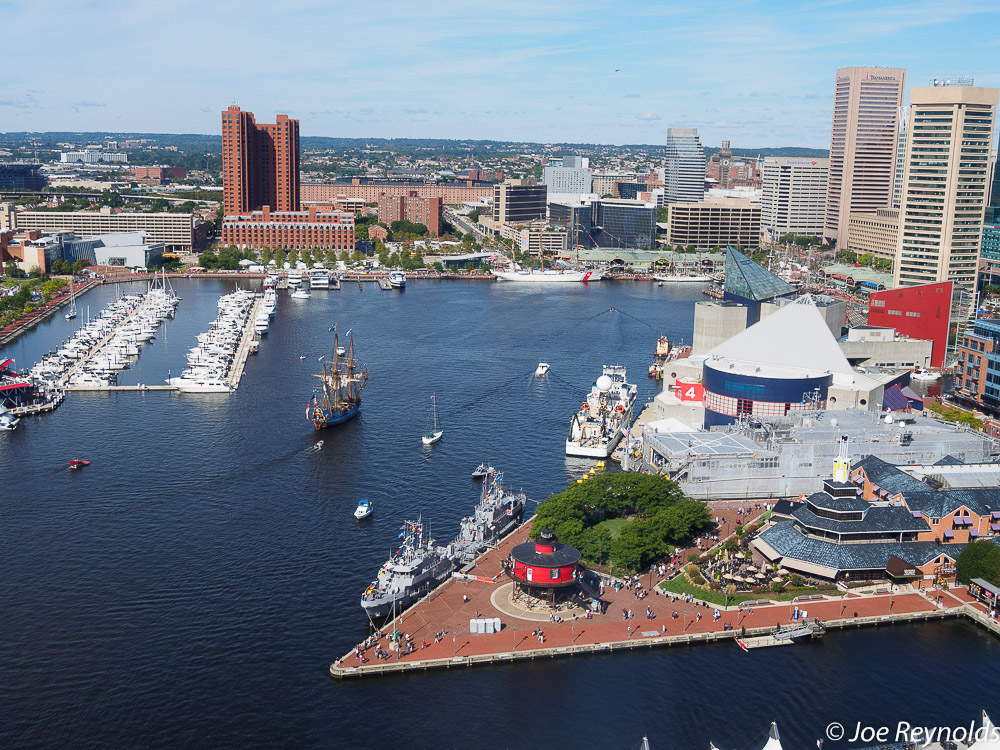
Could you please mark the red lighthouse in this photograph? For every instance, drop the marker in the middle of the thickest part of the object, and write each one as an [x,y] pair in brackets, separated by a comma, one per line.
[543,567]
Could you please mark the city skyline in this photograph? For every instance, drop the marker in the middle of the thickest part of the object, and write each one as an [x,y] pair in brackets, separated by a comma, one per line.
[758,73]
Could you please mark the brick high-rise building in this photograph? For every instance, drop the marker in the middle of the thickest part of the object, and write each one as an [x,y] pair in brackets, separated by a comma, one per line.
[414,208]
[260,163]
[863,140]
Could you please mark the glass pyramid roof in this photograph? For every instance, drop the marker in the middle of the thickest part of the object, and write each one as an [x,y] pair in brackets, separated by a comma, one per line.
[749,280]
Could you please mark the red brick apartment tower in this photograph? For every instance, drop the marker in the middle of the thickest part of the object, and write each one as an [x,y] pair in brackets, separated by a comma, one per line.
[260,163]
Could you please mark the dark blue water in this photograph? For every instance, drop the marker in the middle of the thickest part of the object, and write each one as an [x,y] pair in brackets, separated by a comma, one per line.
[192,586]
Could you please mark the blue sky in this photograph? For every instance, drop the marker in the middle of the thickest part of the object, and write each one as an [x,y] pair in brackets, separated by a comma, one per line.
[757,73]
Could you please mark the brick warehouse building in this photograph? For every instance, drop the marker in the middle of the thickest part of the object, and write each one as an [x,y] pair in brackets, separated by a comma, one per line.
[158,175]
[424,210]
[289,230]
[370,192]
[920,312]
[260,163]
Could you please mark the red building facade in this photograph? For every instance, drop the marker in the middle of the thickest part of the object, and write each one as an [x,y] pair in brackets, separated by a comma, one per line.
[158,175]
[329,230]
[260,163]
[412,207]
[920,312]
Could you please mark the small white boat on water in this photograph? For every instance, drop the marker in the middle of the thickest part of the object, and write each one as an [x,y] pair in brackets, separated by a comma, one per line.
[434,433]
[72,304]
[7,420]
[482,471]
[365,508]
[542,369]
[925,375]
[397,279]
[301,293]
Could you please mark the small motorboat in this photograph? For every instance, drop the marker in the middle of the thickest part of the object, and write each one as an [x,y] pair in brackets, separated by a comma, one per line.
[78,463]
[542,369]
[254,348]
[365,508]
[7,420]
[925,375]
[301,293]
[317,447]
[482,471]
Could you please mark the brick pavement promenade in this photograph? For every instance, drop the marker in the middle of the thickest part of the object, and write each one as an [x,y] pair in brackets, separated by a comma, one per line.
[439,624]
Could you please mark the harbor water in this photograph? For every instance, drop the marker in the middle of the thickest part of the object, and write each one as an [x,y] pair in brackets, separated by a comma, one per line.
[193,584]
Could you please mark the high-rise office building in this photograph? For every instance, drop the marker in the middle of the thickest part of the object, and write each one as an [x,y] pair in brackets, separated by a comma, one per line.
[793,200]
[572,176]
[684,167]
[944,185]
[260,163]
[863,140]
[519,201]
[897,180]
[993,210]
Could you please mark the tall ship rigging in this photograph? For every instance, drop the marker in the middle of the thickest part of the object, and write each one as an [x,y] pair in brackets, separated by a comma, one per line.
[343,378]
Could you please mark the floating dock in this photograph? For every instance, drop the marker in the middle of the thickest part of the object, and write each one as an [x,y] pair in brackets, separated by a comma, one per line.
[98,348]
[243,350]
[140,387]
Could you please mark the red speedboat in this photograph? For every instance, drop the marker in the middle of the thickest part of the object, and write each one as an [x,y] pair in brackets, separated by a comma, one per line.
[78,463]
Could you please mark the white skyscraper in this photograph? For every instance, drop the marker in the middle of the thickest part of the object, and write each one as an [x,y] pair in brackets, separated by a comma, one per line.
[793,200]
[684,167]
[573,176]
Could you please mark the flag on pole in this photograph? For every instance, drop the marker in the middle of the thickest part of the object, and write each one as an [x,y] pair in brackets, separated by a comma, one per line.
[333,327]
[322,357]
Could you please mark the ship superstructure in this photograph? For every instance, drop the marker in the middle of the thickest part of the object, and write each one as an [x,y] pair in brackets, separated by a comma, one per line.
[604,417]
[498,513]
[410,572]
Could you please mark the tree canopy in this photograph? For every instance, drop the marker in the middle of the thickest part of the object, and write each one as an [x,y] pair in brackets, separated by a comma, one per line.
[979,560]
[625,519]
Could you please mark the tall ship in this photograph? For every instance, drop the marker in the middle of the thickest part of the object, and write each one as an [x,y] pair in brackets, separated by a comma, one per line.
[604,417]
[497,514]
[343,378]
[548,275]
[413,570]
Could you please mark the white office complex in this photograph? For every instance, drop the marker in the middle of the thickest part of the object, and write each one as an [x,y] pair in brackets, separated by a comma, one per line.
[944,185]
[573,176]
[93,157]
[793,200]
[684,167]
[863,138]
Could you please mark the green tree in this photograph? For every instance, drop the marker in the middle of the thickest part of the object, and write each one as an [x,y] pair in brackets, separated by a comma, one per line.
[331,258]
[78,266]
[266,255]
[293,256]
[662,214]
[979,560]
[280,256]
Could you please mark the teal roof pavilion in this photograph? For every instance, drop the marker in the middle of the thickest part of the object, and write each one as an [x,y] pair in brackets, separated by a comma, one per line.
[751,281]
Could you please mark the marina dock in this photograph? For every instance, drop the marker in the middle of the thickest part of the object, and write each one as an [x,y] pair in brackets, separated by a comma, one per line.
[243,351]
[98,348]
[140,387]
[439,624]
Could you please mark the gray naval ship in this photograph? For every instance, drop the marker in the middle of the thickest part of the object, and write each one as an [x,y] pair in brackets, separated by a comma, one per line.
[498,513]
[414,569]
[419,565]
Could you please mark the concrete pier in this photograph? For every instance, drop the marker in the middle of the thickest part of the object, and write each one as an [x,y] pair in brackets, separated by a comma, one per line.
[243,350]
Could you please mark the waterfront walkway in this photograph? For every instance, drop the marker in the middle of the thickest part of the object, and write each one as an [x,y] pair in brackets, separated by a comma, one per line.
[438,625]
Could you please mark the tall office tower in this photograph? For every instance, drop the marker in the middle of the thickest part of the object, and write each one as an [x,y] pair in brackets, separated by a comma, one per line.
[793,200]
[260,163]
[944,185]
[519,200]
[863,141]
[897,180]
[993,211]
[684,168]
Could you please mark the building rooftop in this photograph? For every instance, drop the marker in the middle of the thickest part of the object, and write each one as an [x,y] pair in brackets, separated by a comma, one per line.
[789,542]
[860,273]
[750,280]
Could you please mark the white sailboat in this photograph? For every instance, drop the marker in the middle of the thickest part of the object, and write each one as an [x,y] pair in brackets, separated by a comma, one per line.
[435,433]
[72,302]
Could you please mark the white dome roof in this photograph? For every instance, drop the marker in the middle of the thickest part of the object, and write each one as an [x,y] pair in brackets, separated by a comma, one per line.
[604,383]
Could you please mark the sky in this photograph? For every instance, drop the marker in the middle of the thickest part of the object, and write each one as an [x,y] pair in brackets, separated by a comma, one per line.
[586,71]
